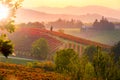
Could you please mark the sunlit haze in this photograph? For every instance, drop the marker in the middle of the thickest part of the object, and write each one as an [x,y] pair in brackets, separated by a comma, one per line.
[4,11]
[64,3]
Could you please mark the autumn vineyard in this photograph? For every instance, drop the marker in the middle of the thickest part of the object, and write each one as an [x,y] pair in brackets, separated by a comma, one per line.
[54,40]
[19,72]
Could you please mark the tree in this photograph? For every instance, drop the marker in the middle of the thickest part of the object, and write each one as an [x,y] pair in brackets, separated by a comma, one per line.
[51,28]
[40,48]
[117,70]
[89,71]
[67,62]
[6,46]
[103,24]
[83,73]
[116,51]
[8,24]
[90,51]
[95,24]
[34,24]
[104,66]
[60,23]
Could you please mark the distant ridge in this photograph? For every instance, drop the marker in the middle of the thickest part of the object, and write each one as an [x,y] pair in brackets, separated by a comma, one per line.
[92,9]
[28,15]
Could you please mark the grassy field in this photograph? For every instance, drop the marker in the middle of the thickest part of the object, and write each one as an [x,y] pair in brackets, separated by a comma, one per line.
[106,37]
[15,60]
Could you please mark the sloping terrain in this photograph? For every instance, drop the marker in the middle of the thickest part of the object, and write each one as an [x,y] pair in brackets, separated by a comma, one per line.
[24,37]
[19,72]
[92,9]
[28,15]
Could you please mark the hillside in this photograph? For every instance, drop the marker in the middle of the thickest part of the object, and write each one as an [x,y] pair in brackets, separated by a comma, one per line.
[28,15]
[19,72]
[92,9]
[24,37]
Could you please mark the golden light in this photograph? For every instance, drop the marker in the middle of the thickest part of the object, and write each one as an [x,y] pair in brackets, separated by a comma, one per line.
[4,12]
[13,54]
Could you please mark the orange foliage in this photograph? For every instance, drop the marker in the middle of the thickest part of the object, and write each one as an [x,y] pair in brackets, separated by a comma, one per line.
[19,72]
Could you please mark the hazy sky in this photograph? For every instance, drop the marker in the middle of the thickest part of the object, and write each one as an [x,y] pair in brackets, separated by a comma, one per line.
[63,3]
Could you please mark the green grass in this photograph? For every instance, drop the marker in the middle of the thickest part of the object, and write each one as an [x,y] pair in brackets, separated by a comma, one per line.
[15,61]
[109,37]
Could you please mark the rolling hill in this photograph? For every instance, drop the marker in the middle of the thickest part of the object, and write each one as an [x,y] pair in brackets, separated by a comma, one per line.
[93,9]
[23,39]
[28,15]
[19,72]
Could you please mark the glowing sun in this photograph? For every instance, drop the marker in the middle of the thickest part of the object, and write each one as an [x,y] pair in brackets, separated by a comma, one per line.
[4,12]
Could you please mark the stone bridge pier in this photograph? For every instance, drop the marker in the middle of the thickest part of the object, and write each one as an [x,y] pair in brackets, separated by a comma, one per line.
[79,48]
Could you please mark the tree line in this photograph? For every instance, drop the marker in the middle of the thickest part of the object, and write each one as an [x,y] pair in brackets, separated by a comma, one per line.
[95,63]
[103,24]
[32,24]
[60,23]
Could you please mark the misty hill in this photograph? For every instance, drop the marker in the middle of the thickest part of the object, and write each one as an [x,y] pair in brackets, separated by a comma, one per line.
[28,15]
[108,12]
[103,24]
[65,24]
[24,37]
